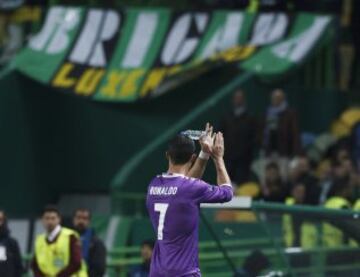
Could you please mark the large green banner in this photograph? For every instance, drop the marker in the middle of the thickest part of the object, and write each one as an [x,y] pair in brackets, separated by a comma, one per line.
[130,54]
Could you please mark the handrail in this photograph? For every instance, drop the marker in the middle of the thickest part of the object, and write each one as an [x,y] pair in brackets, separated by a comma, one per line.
[240,254]
[213,258]
[314,211]
[203,245]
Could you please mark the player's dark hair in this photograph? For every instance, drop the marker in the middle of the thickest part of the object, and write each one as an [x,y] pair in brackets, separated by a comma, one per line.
[180,149]
[82,210]
[51,209]
[148,242]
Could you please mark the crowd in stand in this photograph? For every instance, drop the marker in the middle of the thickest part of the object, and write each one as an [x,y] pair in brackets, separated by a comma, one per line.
[268,153]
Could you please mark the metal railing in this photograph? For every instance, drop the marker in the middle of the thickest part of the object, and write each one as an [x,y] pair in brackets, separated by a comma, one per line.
[231,253]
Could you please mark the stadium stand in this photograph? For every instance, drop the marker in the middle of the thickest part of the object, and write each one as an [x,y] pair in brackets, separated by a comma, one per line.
[96,142]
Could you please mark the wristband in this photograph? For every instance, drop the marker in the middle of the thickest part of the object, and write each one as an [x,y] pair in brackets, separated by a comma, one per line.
[203,155]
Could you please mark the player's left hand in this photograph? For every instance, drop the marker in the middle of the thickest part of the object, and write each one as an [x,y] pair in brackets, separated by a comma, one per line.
[218,147]
[207,140]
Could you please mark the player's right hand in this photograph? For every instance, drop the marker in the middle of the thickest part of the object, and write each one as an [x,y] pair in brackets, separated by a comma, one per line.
[207,140]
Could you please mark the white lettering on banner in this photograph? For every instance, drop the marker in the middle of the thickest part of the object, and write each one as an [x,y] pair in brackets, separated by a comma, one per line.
[38,41]
[141,38]
[178,46]
[226,36]
[110,27]
[59,22]
[85,42]
[296,48]
[269,28]
[100,26]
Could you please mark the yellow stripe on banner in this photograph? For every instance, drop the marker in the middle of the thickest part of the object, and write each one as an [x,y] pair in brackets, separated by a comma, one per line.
[253,6]
[26,14]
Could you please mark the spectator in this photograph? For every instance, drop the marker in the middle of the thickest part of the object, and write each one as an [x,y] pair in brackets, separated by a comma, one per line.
[302,175]
[341,154]
[326,176]
[273,189]
[281,137]
[291,229]
[340,194]
[305,190]
[146,252]
[355,143]
[339,170]
[342,167]
[239,129]
[254,265]
[10,257]
[93,249]
[355,183]
[57,252]
[348,166]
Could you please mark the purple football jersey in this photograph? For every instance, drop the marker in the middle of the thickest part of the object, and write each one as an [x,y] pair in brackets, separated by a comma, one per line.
[173,202]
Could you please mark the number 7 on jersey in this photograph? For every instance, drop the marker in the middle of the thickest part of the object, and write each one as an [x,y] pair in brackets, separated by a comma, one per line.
[161,208]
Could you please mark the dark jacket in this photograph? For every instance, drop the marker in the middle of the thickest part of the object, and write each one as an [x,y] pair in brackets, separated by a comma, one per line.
[10,257]
[96,261]
[140,270]
[287,138]
[240,134]
[312,188]
[275,191]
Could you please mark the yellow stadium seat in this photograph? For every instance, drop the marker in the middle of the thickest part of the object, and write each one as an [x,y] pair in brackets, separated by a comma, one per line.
[350,117]
[250,189]
[339,129]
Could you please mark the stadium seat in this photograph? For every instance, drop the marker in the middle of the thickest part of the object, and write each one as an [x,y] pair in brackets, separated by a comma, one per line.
[350,117]
[248,189]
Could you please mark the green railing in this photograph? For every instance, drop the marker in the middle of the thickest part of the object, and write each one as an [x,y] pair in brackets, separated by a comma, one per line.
[138,200]
[232,252]
[210,258]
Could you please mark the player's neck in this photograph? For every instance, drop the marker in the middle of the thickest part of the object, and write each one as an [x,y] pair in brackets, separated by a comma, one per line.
[178,169]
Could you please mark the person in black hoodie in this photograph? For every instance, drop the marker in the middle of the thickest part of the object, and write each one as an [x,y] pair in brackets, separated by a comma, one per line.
[93,249]
[10,257]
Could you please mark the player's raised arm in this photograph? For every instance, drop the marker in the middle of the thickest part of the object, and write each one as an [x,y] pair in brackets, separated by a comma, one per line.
[218,157]
[206,193]
[206,143]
